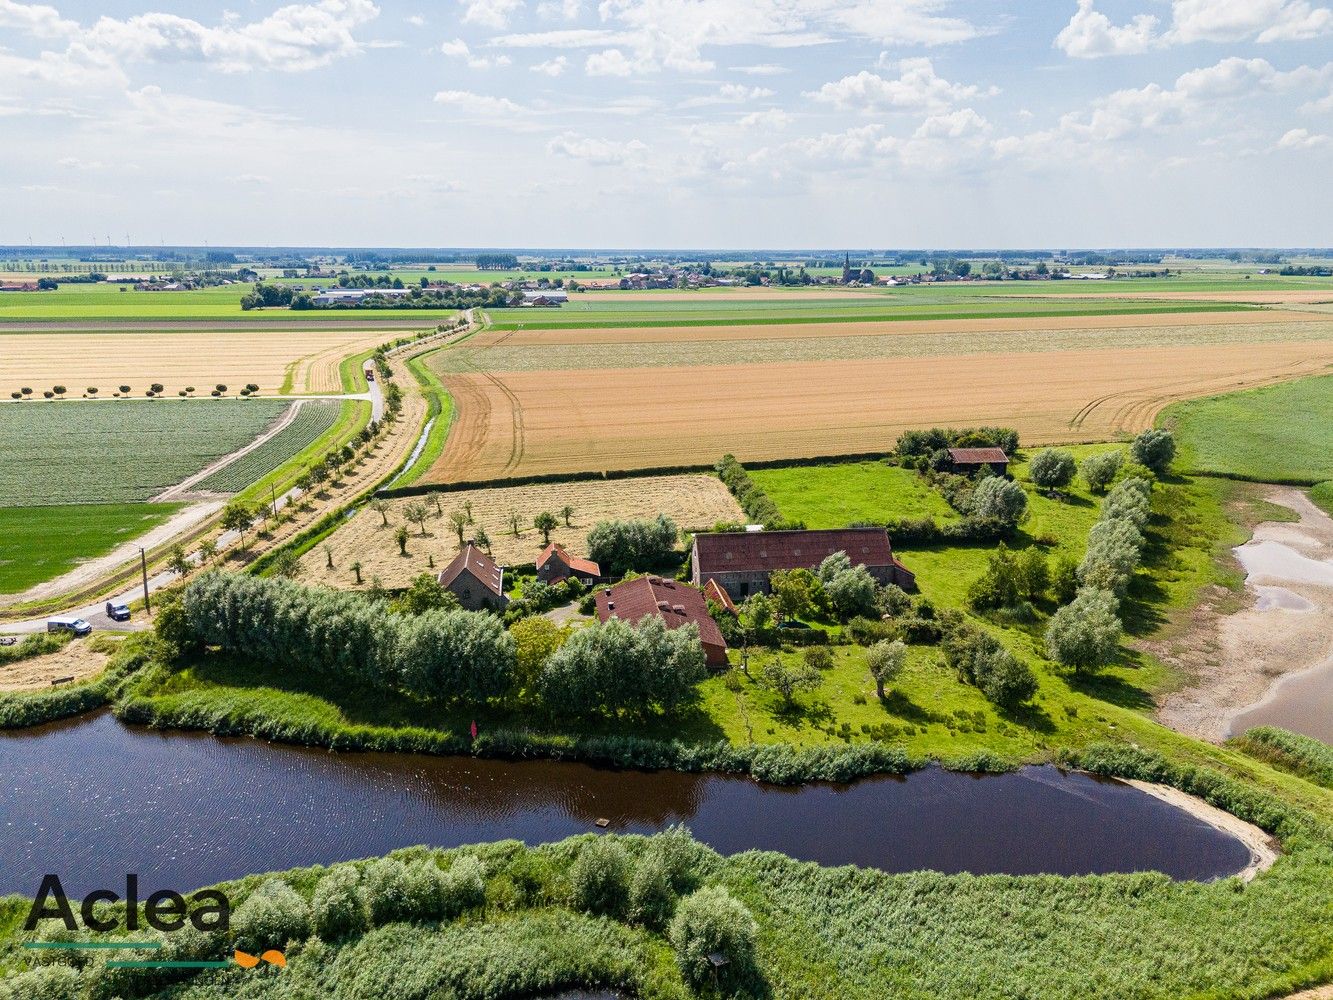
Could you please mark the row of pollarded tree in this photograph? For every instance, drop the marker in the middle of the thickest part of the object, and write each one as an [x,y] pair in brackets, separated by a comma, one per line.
[154,390]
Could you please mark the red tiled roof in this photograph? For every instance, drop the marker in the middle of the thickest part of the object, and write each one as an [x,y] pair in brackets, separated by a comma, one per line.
[573,562]
[768,551]
[978,456]
[479,565]
[714,591]
[675,603]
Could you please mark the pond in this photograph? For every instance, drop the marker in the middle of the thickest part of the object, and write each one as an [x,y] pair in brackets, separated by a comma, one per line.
[91,800]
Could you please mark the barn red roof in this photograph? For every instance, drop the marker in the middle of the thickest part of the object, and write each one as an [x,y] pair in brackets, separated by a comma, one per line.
[573,562]
[479,565]
[768,551]
[978,456]
[674,602]
[714,591]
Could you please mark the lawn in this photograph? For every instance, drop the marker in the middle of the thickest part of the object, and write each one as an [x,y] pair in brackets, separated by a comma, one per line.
[834,496]
[40,543]
[1279,433]
[117,451]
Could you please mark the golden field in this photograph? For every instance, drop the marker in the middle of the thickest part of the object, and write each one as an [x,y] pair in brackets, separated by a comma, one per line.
[693,502]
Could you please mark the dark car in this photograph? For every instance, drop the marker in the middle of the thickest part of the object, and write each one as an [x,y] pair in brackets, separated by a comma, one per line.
[118,611]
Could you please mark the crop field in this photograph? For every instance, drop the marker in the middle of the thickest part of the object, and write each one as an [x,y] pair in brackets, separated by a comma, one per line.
[40,543]
[120,302]
[118,451]
[532,350]
[1281,433]
[706,310]
[691,501]
[181,358]
[313,418]
[537,402]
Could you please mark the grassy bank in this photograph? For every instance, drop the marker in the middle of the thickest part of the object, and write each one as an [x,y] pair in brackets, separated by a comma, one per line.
[1277,434]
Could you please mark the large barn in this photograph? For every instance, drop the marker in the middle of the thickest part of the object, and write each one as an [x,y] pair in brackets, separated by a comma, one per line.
[675,603]
[741,561]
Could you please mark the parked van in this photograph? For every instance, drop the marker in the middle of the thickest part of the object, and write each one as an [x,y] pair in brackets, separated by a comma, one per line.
[118,611]
[68,624]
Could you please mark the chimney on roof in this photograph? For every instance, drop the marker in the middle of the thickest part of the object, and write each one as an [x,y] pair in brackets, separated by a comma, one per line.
[679,609]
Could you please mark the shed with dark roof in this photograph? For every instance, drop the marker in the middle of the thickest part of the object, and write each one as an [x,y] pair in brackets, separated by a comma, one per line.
[966,461]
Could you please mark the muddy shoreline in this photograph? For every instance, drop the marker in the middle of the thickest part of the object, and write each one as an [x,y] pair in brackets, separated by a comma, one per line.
[1238,661]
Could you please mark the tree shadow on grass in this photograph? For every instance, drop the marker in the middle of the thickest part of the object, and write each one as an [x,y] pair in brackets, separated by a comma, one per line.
[1028,716]
[898,704]
[1113,689]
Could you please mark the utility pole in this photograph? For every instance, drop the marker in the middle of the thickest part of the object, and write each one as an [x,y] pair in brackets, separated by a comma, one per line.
[143,568]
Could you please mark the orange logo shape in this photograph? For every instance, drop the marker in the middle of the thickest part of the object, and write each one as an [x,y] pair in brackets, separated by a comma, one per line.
[273,957]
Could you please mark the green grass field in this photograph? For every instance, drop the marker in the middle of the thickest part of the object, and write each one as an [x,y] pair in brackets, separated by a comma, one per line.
[1276,434]
[40,543]
[834,496]
[111,452]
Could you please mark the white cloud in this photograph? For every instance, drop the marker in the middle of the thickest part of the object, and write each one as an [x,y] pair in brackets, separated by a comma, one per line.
[916,86]
[37,20]
[1234,20]
[489,13]
[953,125]
[458,49]
[1300,138]
[416,20]
[1090,34]
[774,118]
[560,10]
[74,163]
[478,103]
[761,69]
[601,151]
[610,62]
[292,39]
[729,93]
[551,67]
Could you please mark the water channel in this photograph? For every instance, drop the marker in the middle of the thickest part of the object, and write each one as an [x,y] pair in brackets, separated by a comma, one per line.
[92,799]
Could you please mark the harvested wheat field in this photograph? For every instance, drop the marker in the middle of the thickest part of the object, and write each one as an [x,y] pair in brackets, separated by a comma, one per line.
[693,502]
[1187,327]
[532,422]
[180,358]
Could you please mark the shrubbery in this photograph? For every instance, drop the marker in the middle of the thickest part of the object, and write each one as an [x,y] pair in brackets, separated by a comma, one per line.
[921,443]
[758,507]
[614,665]
[1154,449]
[273,914]
[621,546]
[979,659]
[711,922]
[1099,470]
[338,908]
[440,654]
[1290,751]
[1052,468]
[599,879]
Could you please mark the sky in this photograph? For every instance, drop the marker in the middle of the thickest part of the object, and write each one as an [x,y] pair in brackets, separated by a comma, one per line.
[668,123]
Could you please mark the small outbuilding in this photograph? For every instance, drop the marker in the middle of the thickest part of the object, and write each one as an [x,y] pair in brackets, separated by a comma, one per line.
[475,579]
[967,461]
[555,564]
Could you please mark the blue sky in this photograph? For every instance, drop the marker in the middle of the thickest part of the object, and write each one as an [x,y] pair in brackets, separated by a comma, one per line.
[680,123]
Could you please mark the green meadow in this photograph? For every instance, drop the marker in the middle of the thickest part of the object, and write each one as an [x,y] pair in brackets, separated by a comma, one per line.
[1277,434]
[40,543]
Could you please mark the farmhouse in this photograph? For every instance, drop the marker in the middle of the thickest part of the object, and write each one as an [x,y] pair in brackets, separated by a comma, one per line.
[966,461]
[555,564]
[545,297]
[675,603]
[740,562]
[475,580]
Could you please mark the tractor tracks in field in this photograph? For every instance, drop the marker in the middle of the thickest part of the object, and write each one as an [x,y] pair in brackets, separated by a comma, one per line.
[473,400]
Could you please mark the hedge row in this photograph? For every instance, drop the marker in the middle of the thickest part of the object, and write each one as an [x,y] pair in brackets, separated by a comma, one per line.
[1290,751]
[757,504]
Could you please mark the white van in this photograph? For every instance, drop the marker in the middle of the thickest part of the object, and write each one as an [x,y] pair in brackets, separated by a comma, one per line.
[68,623]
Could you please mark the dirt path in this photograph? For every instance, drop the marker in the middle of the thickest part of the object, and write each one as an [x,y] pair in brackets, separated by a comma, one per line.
[1286,626]
[76,661]
[186,485]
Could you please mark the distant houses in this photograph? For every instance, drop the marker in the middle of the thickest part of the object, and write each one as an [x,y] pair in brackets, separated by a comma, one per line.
[555,565]
[740,562]
[969,461]
[475,579]
[676,603]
